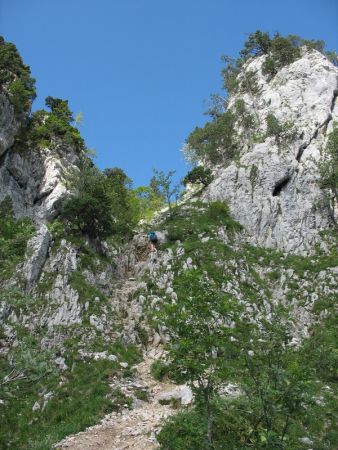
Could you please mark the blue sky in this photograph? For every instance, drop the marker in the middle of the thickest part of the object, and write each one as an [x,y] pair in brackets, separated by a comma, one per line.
[140,71]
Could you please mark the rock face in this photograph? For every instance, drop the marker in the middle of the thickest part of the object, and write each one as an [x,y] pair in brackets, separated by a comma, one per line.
[37,249]
[35,180]
[273,191]
[9,125]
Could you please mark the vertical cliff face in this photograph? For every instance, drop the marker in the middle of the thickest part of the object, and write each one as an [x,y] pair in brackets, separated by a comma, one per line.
[273,189]
[35,178]
[9,124]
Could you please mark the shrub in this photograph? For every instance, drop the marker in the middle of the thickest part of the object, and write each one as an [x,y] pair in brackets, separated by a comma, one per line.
[15,78]
[46,129]
[230,73]
[184,431]
[200,175]
[243,116]
[159,370]
[162,184]
[101,206]
[216,141]
[282,132]
[258,43]
[14,235]
[145,201]
[282,53]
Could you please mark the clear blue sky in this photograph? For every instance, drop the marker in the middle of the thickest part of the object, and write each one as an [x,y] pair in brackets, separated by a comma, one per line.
[141,70]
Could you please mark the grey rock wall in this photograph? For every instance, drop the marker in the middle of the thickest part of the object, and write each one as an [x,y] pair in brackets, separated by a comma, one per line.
[273,190]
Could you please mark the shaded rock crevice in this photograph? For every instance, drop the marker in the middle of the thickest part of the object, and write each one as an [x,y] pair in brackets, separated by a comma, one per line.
[281,185]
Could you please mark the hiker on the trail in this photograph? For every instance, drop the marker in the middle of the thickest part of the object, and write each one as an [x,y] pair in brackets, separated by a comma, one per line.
[152,241]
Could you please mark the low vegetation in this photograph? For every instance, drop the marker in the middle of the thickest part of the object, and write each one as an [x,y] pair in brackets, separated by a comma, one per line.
[14,235]
[225,328]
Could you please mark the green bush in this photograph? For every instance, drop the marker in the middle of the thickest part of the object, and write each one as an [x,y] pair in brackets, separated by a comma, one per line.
[44,128]
[282,132]
[184,431]
[15,78]
[14,235]
[159,370]
[187,225]
[282,53]
[200,175]
[216,142]
[246,119]
[101,207]
[230,73]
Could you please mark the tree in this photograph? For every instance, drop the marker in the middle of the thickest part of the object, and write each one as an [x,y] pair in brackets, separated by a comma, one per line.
[162,183]
[145,202]
[198,174]
[90,209]
[60,109]
[15,78]
[51,128]
[258,43]
[216,141]
[282,132]
[282,53]
[202,347]
[229,73]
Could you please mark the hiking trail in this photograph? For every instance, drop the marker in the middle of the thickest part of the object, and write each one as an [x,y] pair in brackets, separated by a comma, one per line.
[129,429]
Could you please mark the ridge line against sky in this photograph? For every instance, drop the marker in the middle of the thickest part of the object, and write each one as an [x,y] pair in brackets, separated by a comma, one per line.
[141,71]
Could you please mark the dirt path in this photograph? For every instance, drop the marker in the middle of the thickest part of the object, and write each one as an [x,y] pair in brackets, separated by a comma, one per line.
[131,429]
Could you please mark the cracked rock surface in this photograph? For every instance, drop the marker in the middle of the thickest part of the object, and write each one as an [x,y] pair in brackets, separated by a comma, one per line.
[273,190]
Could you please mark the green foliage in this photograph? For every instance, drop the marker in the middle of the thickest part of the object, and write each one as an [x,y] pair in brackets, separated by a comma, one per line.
[159,370]
[216,142]
[217,106]
[14,235]
[279,387]
[188,224]
[230,73]
[45,129]
[60,109]
[332,57]
[329,170]
[246,119]
[80,400]
[282,53]
[101,207]
[162,183]
[200,175]
[76,404]
[185,431]
[282,132]
[287,393]
[15,78]
[145,201]
[257,44]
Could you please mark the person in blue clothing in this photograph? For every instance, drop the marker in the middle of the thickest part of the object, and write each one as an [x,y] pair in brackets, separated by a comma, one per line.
[153,240]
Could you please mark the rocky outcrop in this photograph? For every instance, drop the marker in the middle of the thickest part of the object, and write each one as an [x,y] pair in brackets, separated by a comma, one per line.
[273,190]
[9,124]
[36,180]
[37,250]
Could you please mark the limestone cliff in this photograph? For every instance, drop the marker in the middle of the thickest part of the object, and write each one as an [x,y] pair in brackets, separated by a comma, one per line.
[273,190]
